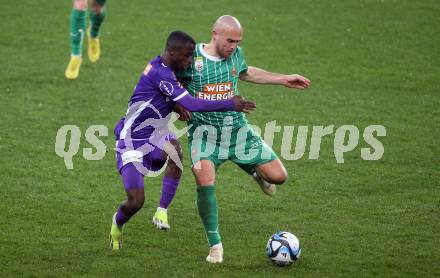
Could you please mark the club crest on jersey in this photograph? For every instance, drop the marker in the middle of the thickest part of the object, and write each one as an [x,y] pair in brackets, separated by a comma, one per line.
[198,63]
[166,87]
[233,72]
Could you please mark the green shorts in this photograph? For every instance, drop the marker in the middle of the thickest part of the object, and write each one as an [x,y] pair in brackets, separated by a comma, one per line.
[243,146]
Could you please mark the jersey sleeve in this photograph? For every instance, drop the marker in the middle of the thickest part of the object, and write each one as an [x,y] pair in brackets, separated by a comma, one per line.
[169,86]
[242,66]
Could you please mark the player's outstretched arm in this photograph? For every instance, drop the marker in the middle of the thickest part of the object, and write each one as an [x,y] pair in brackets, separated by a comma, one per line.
[242,105]
[237,103]
[260,76]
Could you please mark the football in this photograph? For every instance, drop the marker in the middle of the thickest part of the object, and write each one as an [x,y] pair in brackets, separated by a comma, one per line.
[283,248]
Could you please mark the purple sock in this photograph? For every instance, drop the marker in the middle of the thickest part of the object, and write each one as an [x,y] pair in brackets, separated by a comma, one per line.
[169,187]
[121,219]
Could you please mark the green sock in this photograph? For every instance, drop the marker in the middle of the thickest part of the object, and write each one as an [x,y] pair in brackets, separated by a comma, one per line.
[207,206]
[77,28]
[96,21]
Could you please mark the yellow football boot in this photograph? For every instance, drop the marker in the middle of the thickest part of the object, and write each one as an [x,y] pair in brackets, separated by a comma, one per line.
[72,70]
[160,219]
[94,48]
[115,235]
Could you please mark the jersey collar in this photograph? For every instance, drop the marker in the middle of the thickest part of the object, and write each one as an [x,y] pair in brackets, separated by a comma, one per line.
[207,56]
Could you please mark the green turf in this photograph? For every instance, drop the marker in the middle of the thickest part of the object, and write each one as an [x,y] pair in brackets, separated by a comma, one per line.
[370,62]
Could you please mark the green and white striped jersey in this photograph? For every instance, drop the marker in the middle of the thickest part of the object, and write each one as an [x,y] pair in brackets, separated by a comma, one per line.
[214,78]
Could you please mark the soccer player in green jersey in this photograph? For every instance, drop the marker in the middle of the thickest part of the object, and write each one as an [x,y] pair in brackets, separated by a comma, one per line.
[214,75]
[77,29]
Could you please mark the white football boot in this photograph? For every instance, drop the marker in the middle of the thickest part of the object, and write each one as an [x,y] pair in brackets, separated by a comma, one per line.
[268,188]
[215,254]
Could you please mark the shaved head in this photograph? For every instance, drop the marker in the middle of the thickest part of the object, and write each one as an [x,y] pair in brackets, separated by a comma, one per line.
[226,36]
[227,23]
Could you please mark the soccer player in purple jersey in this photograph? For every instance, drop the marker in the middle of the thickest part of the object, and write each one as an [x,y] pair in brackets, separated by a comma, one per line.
[143,141]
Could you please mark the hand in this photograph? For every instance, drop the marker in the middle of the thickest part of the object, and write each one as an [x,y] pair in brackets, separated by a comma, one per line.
[296,81]
[184,115]
[242,105]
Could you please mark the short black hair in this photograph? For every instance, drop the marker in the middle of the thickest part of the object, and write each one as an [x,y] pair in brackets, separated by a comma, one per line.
[178,39]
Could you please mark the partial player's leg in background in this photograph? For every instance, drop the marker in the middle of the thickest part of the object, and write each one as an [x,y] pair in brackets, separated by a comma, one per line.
[97,15]
[77,29]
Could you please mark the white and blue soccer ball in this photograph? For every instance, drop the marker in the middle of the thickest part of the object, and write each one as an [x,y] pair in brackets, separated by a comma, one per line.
[283,248]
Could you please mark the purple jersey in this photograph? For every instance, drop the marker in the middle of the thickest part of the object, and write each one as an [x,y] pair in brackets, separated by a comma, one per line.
[153,99]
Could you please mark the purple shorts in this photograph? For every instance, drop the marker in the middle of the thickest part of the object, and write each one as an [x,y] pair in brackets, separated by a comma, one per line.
[142,153]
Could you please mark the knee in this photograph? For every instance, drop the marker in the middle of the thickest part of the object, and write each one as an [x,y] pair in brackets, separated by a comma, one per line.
[279,178]
[136,202]
[204,172]
[276,177]
[273,172]
[202,179]
[80,5]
